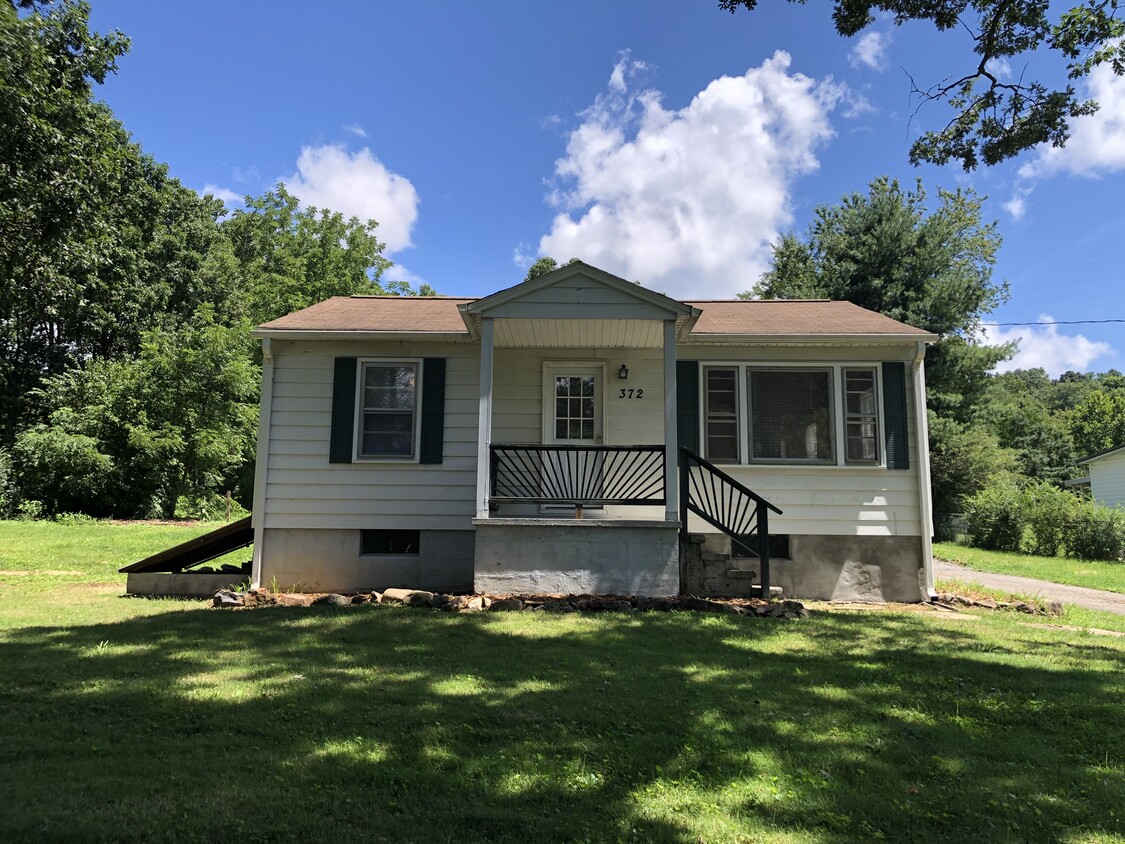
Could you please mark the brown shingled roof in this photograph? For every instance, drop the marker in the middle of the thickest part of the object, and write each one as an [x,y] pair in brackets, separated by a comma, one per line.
[377,313]
[739,317]
[794,316]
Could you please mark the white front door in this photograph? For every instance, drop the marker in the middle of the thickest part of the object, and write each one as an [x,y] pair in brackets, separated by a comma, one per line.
[572,415]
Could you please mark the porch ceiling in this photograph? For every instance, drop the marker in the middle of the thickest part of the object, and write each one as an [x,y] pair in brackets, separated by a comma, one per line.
[579,333]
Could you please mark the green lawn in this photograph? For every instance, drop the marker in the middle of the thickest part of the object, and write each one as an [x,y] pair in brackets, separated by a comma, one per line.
[129,718]
[1090,573]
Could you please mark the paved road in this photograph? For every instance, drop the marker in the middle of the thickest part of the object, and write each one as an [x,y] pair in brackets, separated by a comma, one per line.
[1091,599]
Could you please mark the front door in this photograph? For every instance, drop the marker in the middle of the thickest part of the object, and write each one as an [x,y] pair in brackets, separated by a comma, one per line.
[572,415]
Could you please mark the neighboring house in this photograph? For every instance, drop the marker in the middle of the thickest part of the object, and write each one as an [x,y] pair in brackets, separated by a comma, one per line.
[531,441]
[1107,477]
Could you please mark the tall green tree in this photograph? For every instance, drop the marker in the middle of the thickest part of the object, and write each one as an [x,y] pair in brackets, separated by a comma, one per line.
[135,436]
[291,257]
[996,117]
[887,251]
[1098,422]
[97,243]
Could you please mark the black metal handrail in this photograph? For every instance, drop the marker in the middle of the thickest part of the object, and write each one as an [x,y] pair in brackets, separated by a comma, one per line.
[728,505]
[590,475]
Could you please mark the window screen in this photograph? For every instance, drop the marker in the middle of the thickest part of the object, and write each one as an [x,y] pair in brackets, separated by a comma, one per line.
[389,398]
[791,415]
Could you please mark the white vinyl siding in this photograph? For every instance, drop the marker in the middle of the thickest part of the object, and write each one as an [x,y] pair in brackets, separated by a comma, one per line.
[1107,480]
[304,490]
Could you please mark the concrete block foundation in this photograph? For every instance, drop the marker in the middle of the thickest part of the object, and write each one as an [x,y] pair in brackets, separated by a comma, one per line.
[185,584]
[330,561]
[572,556]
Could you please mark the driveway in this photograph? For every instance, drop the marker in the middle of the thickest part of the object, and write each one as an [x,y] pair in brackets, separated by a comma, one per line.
[1091,599]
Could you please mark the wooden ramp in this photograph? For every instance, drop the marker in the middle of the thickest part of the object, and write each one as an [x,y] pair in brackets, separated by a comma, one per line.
[199,550]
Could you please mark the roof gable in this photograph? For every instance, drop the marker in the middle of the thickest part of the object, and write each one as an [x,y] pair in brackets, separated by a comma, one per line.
[578,290]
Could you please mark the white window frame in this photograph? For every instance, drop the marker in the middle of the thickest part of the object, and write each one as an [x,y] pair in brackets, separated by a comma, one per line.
[357,425]
[839,429]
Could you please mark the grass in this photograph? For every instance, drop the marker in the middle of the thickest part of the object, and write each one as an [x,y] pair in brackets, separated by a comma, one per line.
[1089,573]
[128,718]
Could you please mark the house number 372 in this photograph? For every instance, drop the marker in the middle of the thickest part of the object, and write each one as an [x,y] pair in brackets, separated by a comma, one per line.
[632,393]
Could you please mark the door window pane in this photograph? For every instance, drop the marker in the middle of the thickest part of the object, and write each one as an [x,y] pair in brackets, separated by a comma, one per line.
[575,408]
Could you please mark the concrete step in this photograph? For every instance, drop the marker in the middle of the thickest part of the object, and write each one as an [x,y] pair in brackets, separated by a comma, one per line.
[741,573]
[715,556]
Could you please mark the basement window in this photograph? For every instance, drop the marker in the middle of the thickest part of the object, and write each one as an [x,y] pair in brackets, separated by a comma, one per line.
[779,548]
[384,543]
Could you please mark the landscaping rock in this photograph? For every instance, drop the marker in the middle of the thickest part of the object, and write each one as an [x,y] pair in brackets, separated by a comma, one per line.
[1054,607]
[259,598]
[558,606]
[361,598]
[506,605]
[456,603]
[410,597]
[334,600]
[286,599]
[226,598]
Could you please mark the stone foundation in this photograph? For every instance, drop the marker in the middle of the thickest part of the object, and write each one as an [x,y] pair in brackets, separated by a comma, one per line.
[825,568]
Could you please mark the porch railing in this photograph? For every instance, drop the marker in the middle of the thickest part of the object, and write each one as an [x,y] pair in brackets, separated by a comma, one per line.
[724,503]
[582,475]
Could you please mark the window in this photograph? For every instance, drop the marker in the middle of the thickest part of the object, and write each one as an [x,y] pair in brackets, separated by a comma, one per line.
[791,417]
[389,542]
[720,403]
[778,547]
[861,412]
[387,413]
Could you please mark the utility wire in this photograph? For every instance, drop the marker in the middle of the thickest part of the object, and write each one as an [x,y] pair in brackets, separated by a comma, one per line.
[1059,322]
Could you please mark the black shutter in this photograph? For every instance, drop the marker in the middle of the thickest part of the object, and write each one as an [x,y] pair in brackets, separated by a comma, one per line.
[894,415]
[687,404]
[433,410]
[342,439]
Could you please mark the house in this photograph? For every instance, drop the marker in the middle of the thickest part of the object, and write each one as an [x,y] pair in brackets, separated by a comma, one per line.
[554,436]
[1107,476]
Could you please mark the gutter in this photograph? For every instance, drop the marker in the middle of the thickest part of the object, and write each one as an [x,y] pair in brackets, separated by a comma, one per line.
[319,334]
[925,501]
[807,339]
[261,464]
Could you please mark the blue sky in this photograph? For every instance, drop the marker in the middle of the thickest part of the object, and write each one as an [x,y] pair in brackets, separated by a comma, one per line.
[668,142]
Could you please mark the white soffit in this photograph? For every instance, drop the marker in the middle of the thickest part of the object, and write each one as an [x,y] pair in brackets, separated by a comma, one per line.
[579,333]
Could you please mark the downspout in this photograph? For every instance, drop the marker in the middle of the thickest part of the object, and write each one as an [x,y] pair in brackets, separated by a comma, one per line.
[261,463]
[925,502]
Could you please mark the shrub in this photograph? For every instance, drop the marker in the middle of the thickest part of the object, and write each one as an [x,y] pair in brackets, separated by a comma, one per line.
[7,485]
[995,517]
[1048,511]
[65,472]
[1096,532]
[208,507]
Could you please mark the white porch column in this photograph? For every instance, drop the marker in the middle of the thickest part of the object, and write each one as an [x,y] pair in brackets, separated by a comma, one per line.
[671,438]
[925,502]
[484,418]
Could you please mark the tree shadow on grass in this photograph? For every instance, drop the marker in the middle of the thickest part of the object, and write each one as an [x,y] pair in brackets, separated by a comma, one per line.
[413,725]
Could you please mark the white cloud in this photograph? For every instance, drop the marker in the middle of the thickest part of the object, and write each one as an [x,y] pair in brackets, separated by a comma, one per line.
[1043,346]
[688,201]
[1017,205]
[871,51]
[357,185]
[356,129]
[228,196]
[1097,142]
